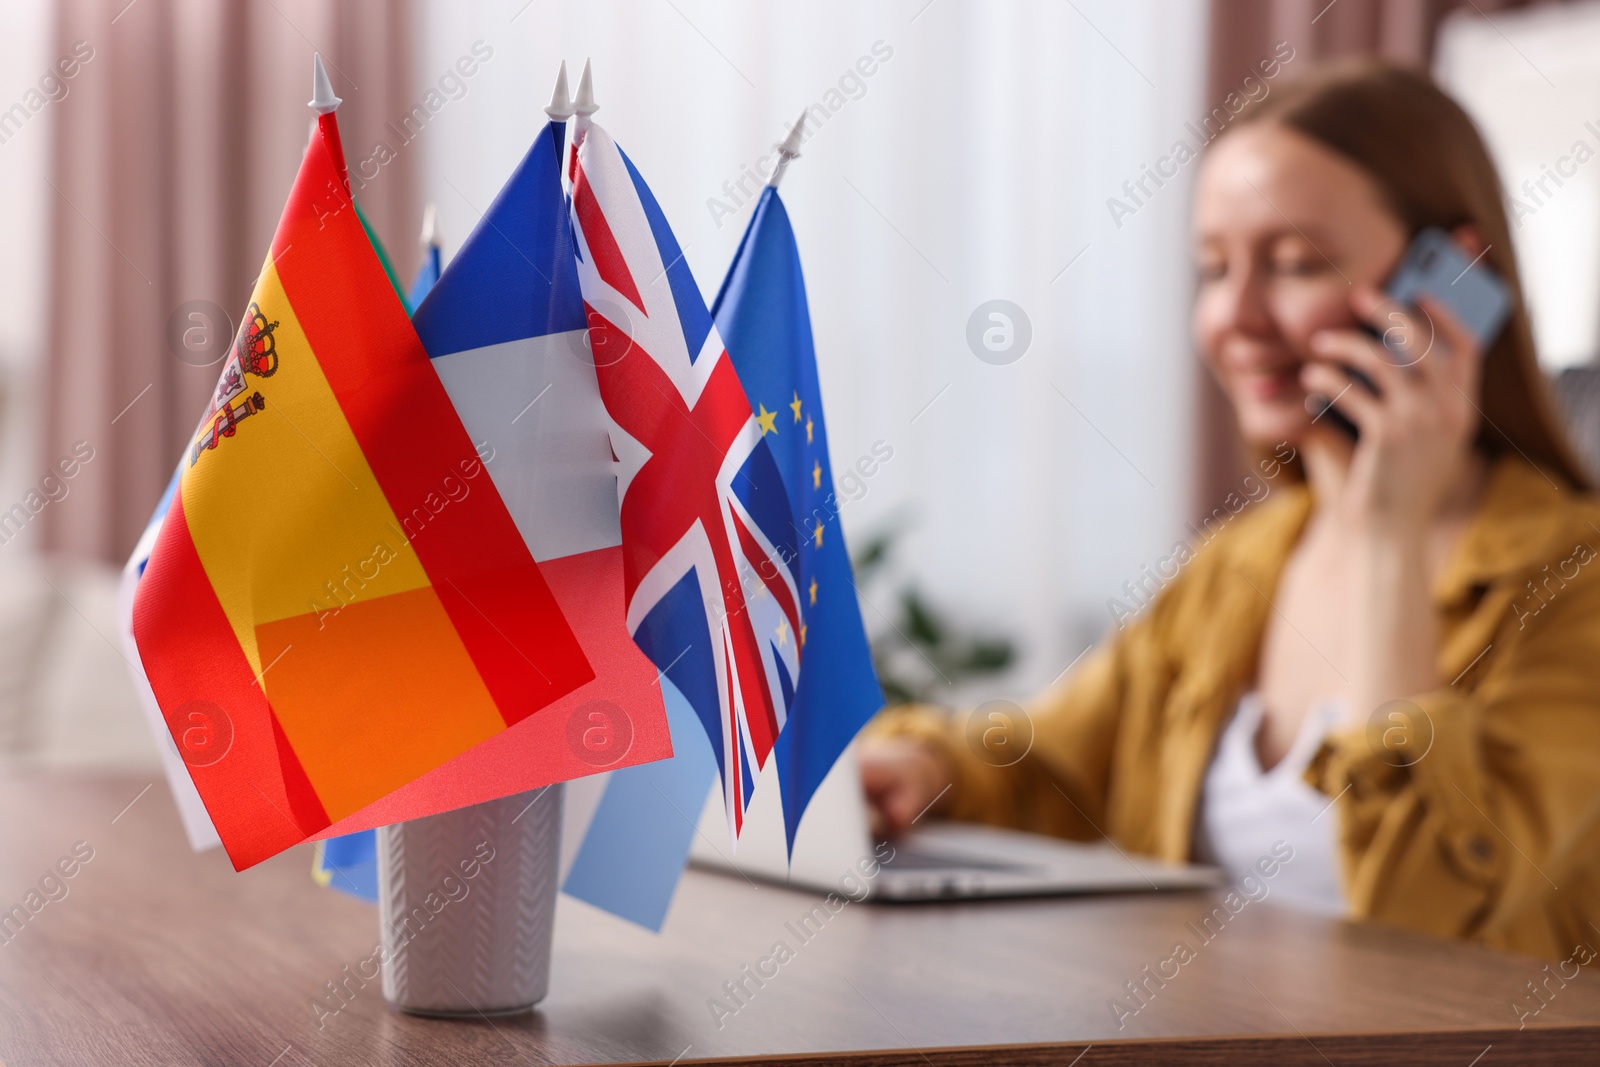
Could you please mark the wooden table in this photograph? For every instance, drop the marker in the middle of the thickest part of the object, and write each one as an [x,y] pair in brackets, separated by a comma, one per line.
[159,956]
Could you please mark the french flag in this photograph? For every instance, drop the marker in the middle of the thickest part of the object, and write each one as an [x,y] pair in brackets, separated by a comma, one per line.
[506,329]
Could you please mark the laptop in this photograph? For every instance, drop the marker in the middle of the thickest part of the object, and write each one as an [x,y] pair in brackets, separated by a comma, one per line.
[834,853]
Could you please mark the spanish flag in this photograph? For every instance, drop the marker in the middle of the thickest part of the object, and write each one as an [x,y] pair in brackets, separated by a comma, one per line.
[338,601]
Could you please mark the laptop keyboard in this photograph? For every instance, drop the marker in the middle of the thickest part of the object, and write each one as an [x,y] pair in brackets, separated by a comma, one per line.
[908,858]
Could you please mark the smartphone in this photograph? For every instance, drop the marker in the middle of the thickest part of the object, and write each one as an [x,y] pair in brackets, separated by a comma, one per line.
[1435,266]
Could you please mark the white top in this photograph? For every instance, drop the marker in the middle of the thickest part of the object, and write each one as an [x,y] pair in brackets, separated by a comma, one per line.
[1245,811]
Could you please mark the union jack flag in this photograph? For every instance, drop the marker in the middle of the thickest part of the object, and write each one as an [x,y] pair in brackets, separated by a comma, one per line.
[711,571]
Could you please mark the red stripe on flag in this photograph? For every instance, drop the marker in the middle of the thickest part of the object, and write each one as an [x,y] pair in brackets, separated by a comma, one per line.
[603,250]
[762,564]
[328,128]
[419,451]
[677,487]
[255,790]
[304,804]
[735,749]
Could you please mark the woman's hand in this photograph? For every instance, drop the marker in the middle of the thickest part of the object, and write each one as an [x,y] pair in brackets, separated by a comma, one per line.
[1416,435]
[901,778]
[1414,462]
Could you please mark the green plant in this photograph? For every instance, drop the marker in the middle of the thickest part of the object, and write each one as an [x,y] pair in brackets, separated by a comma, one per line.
[922,654]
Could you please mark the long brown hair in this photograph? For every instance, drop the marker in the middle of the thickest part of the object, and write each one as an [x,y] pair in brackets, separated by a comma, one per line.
[1431,163]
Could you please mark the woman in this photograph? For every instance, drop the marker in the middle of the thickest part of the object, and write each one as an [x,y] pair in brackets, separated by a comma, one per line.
[1390,666]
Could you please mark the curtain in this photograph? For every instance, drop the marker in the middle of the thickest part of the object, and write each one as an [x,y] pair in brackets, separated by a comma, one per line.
[1243,31]
[173,154]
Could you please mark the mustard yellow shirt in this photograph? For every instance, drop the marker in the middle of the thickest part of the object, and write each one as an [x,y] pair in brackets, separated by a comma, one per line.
[1475,813]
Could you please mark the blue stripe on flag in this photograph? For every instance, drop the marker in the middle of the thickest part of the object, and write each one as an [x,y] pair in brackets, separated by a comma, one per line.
[514,276]
[677,639]
[692,313]
[747,780]
[762,490]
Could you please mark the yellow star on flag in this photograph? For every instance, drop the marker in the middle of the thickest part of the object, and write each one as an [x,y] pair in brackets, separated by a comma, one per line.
[816,476]
[809,426]
[813,591]
[802,635]
[818,535]
[795,407]
[767,419]
[783,634]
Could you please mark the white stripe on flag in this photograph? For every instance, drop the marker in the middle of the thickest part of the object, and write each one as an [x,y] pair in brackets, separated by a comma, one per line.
[196,821]
[534,406]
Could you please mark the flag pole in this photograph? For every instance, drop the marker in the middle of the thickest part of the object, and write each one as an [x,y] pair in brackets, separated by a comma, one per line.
[430,226]
[560,108]
[788,148]
[432,259]
[322,99]
[325,103]
[583,106]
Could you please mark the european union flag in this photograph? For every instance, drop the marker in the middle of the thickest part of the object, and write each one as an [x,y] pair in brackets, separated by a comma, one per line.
[762,315]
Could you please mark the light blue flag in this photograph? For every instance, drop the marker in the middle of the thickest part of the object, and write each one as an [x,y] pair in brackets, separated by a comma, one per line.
[635,846]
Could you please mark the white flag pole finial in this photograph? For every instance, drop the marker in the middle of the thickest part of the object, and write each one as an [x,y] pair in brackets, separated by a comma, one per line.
[322,98]
[560,109]
[788,148]
[584,105]
[430,226]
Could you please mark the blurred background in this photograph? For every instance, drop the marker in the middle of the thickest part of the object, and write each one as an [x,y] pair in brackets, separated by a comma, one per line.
[966,160]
